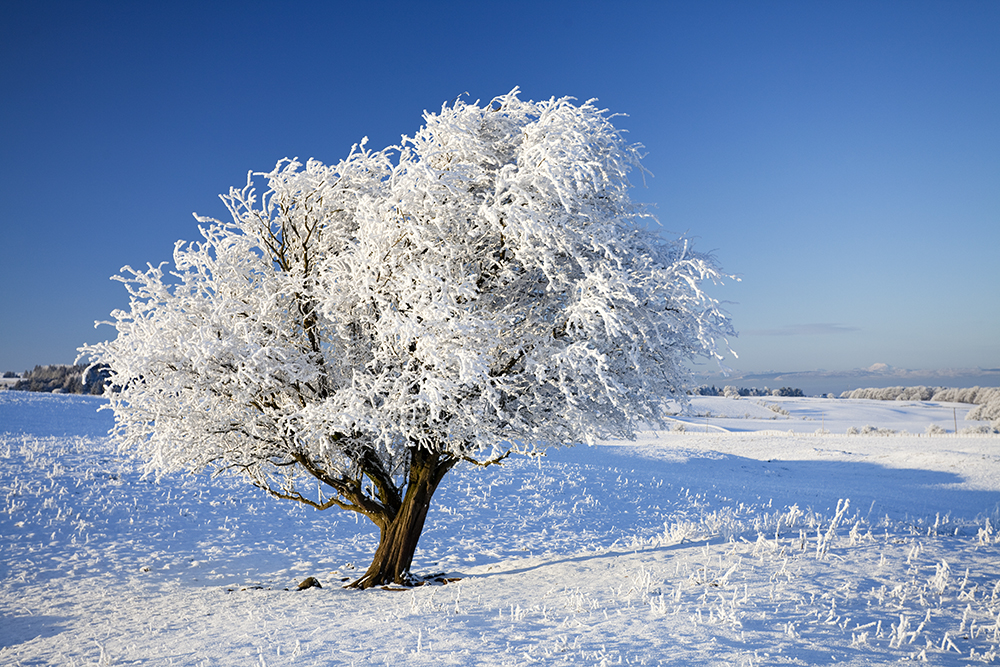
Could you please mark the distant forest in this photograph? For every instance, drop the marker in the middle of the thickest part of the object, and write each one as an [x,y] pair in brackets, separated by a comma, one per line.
[62,379]
[976,395]
[735,392]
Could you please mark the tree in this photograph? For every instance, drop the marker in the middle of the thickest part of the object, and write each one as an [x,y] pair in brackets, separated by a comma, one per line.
[484,288]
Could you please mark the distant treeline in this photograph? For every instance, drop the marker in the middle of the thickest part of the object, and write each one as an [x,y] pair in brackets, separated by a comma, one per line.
[730,391]
[974,395]
[63,379]
[986,399]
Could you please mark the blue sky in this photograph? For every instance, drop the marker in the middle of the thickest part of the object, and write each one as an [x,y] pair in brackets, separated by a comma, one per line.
[842,158]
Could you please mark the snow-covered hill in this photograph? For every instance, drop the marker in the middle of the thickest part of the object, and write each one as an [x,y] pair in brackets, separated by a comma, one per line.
[754,547]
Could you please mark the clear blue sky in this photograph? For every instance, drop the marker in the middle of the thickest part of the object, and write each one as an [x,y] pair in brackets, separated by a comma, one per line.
[842,158]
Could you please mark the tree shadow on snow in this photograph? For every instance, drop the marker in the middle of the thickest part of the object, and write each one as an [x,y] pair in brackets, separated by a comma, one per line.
[16,629]
[589,557]
[874,490]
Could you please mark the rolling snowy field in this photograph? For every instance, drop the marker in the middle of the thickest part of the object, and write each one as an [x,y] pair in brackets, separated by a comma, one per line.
[762,534]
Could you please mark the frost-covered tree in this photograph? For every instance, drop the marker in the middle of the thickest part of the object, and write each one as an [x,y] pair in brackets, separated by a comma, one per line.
[358,330]
[988,408]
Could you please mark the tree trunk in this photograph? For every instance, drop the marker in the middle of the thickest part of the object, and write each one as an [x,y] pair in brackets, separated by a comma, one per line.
[398,539]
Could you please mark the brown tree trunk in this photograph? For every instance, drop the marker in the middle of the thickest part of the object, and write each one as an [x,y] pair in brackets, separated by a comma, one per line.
[398,539]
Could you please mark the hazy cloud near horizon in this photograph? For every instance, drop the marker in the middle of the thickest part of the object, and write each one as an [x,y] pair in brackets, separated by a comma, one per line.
[802,330]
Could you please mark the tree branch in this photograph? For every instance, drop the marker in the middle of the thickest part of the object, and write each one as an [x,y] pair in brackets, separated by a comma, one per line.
[491,462]
[351,490]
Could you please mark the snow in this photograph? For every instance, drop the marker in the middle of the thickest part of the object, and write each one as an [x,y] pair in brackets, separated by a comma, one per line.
[679,548]
[808,415]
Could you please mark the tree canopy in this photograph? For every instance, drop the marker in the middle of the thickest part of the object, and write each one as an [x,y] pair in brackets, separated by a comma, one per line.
[487,286]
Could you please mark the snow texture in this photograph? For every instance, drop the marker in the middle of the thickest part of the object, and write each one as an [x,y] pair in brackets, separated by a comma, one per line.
[760,547]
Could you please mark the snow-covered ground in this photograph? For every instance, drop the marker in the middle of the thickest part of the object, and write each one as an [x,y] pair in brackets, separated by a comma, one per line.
[811,415]
[700,547]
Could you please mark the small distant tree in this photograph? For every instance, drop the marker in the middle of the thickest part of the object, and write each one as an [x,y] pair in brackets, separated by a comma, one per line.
[486,287]
[58,378]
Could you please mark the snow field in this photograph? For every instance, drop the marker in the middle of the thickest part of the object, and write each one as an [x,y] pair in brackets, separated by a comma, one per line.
[821,415]
[683,549]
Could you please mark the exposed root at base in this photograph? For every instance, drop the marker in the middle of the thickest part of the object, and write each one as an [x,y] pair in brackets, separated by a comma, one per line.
[413,582]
